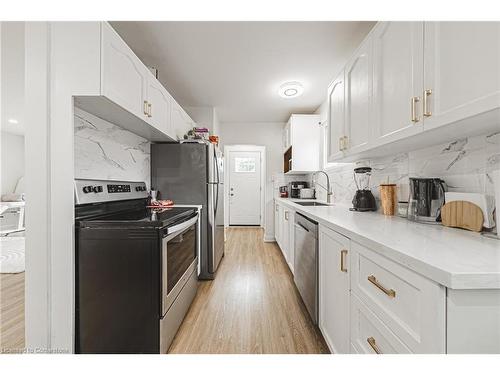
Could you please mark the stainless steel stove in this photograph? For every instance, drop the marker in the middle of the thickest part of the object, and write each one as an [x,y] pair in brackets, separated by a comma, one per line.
[136,268]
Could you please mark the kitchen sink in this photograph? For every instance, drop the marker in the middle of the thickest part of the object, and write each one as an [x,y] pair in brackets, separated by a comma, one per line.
[311,204]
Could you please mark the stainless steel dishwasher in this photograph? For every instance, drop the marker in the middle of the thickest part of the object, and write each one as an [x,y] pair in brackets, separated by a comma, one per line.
[306,263]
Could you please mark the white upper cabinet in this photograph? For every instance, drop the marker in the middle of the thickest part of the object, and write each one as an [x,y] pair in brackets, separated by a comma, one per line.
[302,156]
[181,122]
[127,82]
[123,76]
[159,106]
[407,78]
[462,70]
[335,118]
[398,79]
[358,97]
[287,136]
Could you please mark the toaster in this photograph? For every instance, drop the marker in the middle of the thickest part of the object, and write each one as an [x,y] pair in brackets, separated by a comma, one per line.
[306,193]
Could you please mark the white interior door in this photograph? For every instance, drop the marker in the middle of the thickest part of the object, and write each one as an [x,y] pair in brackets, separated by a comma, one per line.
[244,187]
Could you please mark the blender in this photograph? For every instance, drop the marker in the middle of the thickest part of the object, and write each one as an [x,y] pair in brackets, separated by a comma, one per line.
[363,199]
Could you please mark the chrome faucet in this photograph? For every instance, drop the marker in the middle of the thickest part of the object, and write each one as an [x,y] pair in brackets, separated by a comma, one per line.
[328,188]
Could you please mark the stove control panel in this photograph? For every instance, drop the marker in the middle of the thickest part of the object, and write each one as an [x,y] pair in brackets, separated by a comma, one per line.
[92,189]
[97,191]
[122,188]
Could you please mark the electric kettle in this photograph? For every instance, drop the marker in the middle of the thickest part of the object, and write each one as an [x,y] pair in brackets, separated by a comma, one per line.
[426,199]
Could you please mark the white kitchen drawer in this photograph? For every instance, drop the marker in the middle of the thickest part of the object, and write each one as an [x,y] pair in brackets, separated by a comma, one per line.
[366,327]
[412,306]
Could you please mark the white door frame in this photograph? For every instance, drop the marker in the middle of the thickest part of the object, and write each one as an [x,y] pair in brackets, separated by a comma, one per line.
[245,148]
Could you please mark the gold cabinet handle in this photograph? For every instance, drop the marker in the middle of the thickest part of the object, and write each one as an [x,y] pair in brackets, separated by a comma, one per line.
[427,112]
[341,144]
[414,116]
[343,254]
[146,107]
[149,110]
[390,292]
[371,341]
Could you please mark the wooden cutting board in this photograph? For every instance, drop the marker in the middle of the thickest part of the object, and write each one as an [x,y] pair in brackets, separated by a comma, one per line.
[462,214]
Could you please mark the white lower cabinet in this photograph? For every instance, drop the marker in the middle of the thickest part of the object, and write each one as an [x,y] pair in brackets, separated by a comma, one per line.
[369,335]
[277,223]
[410,305]
[334,289]
[284,219]
[288,236]
[370,304]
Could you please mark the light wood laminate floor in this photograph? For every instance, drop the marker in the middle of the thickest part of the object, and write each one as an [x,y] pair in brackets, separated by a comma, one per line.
[251,307]
[11,313]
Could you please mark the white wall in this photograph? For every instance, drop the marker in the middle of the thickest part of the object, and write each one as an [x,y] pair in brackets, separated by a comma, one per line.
[268,134]
[205,117]
[12,73]
[12,161]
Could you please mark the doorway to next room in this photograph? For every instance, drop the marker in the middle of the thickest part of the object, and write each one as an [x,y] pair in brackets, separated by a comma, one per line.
[245,168]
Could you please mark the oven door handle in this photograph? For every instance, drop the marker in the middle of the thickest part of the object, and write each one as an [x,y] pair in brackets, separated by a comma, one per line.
[180,227]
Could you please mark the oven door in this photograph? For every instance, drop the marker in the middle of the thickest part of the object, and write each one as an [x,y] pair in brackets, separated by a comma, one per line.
[179,259]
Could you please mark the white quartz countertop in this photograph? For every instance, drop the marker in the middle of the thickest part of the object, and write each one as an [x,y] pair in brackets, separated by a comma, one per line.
[455,258]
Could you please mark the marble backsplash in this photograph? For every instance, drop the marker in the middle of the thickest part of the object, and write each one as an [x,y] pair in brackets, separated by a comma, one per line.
[465,165]
[106,151]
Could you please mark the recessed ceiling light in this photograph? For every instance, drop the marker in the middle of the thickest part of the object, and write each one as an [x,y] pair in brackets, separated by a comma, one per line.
[291,89]
[13,121]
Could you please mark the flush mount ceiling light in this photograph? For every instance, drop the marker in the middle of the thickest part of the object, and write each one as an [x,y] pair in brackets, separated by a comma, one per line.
[13,121]
[291,90]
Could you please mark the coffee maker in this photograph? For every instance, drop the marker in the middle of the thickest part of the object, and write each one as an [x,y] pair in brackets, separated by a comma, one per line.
[295,187]
[363,199]
[426,199]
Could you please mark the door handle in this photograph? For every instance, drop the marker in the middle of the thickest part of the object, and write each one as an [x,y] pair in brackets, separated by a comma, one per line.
[303,227]
[427,112]
[414,116]
[145,109]
[343,254]
[371,341]
[149,110]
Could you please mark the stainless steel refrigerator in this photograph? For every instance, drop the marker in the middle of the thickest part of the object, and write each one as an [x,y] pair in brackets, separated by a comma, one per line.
[193,173]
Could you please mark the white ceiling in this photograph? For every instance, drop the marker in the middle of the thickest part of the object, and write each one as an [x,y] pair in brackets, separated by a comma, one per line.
[238,67]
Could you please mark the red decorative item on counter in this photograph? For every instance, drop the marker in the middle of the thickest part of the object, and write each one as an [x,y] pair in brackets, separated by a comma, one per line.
[161,203]
[214,139]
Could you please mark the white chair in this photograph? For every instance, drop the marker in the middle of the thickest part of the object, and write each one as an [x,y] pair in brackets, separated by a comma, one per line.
[12,212]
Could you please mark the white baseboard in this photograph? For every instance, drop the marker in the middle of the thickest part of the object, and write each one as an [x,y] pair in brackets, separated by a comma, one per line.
[269,238]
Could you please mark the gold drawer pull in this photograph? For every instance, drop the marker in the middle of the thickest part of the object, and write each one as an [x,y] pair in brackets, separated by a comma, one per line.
[373,344]
[343,254]
[390,292]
